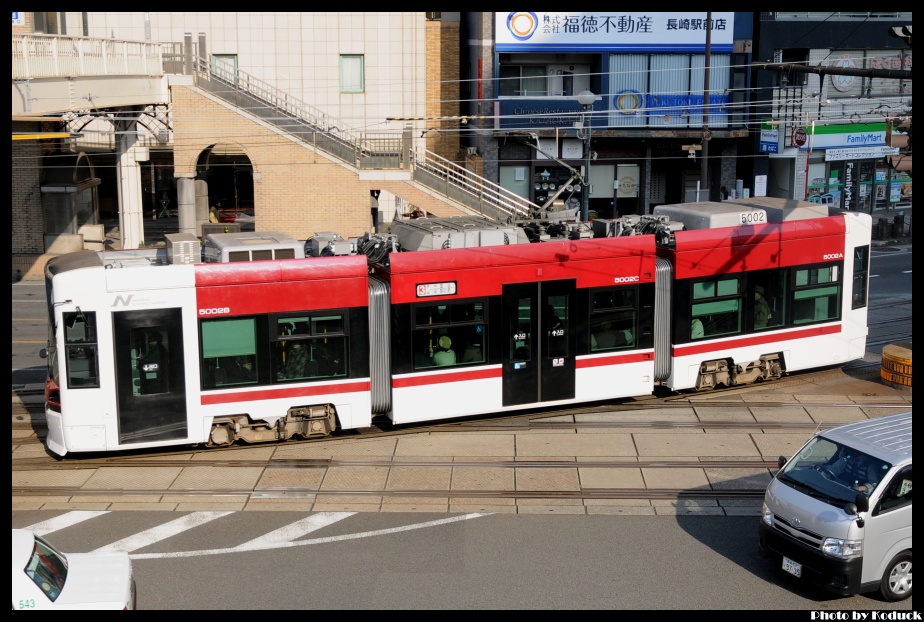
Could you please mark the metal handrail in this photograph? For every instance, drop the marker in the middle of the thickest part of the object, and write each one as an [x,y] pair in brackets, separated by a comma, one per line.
[362,150]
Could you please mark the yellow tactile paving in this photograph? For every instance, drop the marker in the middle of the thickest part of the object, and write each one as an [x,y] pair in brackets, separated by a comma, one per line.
[540,479]
[675,478]
[833,414]
[692,444]
[607,477]
[30,450]
[133,478]
[238,453]
[292,478]
[204,499]
[372,448]
[44,479]
[616,510]
[724,479]
[416,478]
[642,414]
[439,444]
[280,505]
[482,478]
[713,414]
[217,478]
[355,478]
[118,506]
[780,414]
[771,446]
[571,444]
[415,504]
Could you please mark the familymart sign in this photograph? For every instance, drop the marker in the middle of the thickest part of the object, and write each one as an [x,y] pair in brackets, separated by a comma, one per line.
[841,136]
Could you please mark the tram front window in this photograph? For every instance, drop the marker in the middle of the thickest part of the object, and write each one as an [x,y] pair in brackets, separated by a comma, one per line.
[81,349]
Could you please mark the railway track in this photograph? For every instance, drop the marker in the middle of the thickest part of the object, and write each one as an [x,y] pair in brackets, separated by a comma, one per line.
[365,469]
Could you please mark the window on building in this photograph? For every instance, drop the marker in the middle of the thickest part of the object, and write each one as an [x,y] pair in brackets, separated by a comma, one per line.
[352,73]
[225,66]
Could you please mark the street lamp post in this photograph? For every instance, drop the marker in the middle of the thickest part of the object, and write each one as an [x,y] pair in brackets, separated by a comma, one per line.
[586,98]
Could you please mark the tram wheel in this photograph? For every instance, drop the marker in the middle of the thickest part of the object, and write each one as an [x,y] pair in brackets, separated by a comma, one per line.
[221,435]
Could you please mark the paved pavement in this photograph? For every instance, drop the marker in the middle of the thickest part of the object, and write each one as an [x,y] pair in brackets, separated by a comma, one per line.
[365,466]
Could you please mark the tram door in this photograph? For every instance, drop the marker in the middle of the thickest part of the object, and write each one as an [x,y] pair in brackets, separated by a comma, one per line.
[539,342]
[150,375]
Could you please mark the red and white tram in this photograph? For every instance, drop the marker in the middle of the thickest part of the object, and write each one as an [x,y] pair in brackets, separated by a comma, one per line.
[258,342]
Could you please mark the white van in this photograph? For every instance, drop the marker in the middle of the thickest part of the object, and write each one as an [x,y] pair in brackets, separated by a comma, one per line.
[838,513]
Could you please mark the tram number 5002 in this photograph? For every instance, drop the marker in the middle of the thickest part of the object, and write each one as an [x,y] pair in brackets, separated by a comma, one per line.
[753,218]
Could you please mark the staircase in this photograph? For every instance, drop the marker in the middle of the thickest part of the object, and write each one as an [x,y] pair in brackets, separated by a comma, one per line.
[456,185]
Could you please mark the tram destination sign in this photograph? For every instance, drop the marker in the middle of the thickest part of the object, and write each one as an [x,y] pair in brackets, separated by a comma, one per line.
[425,290]
[859,153]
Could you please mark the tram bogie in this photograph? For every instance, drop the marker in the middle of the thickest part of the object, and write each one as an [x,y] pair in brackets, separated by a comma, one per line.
[443,319]
[299,422]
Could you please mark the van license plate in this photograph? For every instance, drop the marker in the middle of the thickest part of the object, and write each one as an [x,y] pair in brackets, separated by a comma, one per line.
[792,567]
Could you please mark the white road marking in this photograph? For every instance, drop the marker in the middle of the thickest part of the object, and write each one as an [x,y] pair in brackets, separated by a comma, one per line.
[65,520]
[279,544]
[296,530]
[161,532]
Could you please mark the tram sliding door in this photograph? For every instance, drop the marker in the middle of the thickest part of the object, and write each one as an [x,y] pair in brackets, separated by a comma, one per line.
[539,342]
[150,375]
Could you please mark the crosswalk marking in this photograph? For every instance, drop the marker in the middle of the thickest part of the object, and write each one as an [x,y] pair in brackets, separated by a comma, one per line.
[161,532]
[284,537]
[293,531]
[64,520]
[313,541]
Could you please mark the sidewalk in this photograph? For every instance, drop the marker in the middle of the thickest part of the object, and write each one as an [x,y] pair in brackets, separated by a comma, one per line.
[895,226]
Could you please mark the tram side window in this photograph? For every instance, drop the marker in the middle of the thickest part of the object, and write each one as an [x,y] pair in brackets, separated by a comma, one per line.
[768,298]
[716,308]
[229,352]
[309,347]
[449,334]
[613,318]
[80,344]
[816,296]
[860,277]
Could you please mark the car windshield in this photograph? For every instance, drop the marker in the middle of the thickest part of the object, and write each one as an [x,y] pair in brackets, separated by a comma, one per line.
[47,568]
[834,471]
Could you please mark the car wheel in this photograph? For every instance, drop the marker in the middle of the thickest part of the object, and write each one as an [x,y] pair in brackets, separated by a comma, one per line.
[896,581]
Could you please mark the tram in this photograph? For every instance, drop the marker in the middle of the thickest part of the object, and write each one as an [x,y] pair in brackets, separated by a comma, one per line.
[253,337]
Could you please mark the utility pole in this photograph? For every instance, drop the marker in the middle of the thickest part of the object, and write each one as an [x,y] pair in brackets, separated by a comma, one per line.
[704,161]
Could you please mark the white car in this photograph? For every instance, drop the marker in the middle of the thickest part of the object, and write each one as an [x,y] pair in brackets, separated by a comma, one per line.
[45,578]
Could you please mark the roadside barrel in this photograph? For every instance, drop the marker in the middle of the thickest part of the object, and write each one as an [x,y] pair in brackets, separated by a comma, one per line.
[896,365]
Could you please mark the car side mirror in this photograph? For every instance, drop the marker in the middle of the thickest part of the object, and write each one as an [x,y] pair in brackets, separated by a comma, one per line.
[781,461]
[850,508]
[43,353]
[862,502]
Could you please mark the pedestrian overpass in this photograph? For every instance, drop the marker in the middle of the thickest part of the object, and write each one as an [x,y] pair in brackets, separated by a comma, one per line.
[60,78]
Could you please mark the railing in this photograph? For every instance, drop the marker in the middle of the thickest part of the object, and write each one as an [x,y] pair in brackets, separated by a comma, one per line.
[359,149]
[46,56]
[50,56]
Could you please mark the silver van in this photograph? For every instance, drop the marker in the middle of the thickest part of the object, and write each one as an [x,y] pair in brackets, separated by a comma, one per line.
[838,513]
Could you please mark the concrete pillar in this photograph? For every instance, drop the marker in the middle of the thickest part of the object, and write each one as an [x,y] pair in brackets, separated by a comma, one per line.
[186,204]
[128,177]
[202,201]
